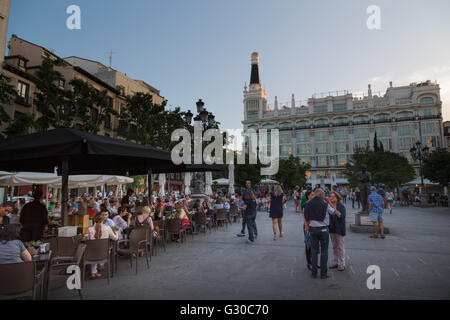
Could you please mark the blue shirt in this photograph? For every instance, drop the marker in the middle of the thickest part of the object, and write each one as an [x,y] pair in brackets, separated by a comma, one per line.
[110,223]
[377,202]
[245,192]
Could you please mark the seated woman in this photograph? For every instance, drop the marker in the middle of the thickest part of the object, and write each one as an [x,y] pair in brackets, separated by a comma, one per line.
[12,250]
[55,214]
[100,231]
[143,219]
[181,214]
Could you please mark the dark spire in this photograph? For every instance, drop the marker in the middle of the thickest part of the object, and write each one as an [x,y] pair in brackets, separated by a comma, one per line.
[254,77]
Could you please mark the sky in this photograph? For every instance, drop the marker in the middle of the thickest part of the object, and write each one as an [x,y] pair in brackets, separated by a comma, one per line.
[191,49]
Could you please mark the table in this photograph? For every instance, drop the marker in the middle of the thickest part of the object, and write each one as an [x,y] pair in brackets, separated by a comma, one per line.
[44,261]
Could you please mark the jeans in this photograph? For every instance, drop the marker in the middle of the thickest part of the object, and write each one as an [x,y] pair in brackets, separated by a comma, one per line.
[319,237]
[244,224]
[251,225]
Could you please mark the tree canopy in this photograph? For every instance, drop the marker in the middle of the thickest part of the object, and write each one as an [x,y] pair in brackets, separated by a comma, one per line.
[292,172]
[436,167]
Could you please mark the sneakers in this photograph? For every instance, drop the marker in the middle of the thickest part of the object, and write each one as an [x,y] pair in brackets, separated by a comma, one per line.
[255,235]
[240,234]
[249,241]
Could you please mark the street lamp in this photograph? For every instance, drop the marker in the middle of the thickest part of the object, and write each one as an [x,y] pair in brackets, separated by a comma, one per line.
[188,117]
[419,153]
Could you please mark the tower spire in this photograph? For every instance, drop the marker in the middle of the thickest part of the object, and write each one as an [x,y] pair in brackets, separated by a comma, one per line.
[254,77]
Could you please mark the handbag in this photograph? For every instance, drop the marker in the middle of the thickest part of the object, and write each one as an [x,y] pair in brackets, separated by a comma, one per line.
[308,240]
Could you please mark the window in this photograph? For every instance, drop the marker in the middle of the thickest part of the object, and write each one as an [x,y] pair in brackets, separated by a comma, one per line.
[121,90]
[407,155]
[321,123]
[302,136]
[341,134]
[302,124]
[285,138]
[320,109]
[340,107]
[321,135]
[285,125]
[340,174]
[387,144]
[342,147]
[340,121]
[252,105]
[252,116]
[61,83]
[305,160]
[361,120]
[432,142]
[383,117]
[429,112]
[321,174]
[361,133]
[405,130]
[269,126]
[253,128]
[322,161]
[430,127]
[108,121]
[110,102]
[383,131]
[23,89]
[285,150]
[361,144]
[405,143]
[303,148]
[94,115]
[341,159]
[427,100]
[405,115]
[22,63]
[322,147]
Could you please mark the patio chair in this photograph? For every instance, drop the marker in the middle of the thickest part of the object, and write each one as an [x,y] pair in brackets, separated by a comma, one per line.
[200,220]
[19,280]
[58,267]
[221,216]
[138,242]
[175,226]
[168,210]
[97,251]
[161,240]
[233,212]
[65,247]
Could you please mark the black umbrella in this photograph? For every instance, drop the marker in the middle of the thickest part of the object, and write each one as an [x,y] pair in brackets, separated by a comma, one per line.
[78,152]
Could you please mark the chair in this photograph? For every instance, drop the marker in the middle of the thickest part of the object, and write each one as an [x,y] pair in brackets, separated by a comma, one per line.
[19,280]
[138,242]
[65,247]
[161,240]
[168,210]
[97,251]
[200,220]
[59,265]
[175,226]
[221,216]
[233,213]
[189,228]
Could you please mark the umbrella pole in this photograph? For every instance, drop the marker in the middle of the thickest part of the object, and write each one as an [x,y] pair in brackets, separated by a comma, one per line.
[64,190]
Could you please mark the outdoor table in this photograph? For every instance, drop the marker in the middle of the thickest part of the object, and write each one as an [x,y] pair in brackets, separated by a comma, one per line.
[42,261]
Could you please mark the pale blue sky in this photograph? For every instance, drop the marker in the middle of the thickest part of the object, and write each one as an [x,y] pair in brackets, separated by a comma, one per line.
[192,49]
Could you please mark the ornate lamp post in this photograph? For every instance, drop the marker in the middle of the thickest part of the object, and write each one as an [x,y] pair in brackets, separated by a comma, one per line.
[419,153]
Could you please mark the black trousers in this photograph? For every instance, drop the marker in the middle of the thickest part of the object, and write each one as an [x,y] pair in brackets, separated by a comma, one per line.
[31,233]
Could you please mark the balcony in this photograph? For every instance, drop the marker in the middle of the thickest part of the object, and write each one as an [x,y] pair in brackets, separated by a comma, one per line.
[431,116]
[406,118]
[385,120]
[321,125]
[361,122]
[24,101]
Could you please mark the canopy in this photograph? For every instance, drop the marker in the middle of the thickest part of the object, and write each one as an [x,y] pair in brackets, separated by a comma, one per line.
[221,181]
[53,180]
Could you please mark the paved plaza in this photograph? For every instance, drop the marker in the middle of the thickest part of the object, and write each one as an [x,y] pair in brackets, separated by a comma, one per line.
[414,261]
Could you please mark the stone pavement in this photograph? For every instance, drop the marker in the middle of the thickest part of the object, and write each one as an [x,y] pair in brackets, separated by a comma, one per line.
[414,261]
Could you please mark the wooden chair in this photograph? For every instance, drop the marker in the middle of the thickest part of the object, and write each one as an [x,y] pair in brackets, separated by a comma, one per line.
[138,242]
[19,280]
[58,267]
[221,216]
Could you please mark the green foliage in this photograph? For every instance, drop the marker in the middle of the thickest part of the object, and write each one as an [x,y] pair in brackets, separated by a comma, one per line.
[138,183]
[21,125]
[292,172]
[386,167]
[7,94]
[436,167]
[244,172]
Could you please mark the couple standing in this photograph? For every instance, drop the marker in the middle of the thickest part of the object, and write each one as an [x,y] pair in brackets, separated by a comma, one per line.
[319,213]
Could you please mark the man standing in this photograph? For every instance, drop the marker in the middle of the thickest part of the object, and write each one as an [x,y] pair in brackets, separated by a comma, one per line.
[376,204]
[34,218]
[317,220]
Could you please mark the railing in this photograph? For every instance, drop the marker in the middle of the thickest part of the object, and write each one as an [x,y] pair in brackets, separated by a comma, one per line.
[406,118]
[329,94]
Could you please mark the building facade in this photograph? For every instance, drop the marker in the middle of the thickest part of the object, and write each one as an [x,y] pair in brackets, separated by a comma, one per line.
[446,125]
[4,19]
[325,130]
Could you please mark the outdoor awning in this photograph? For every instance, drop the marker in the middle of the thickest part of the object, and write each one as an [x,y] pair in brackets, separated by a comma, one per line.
[222,181]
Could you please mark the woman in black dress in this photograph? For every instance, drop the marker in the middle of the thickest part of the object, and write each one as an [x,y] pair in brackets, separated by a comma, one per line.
[277,199]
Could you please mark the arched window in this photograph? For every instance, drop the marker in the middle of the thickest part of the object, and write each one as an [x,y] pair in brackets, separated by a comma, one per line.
[382,117]
[286,125]
[427,100]
[321,123]
[269,126]
[405,115]
[341,121]
[253,128]
[302,124]
[360,119]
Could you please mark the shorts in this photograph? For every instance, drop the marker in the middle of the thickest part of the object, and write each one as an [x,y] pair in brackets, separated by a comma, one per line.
[376,216]
[390,201]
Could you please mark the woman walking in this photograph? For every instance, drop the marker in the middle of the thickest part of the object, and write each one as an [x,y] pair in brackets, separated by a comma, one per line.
[337,231]
[276,200]
[390,199]
[250,215]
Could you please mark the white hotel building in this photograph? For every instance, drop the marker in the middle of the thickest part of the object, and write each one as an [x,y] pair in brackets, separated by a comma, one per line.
[325,130]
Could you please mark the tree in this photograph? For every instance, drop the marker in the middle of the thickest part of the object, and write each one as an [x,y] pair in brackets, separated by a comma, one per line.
[436,167]
[386,167]
[244,172]
[7,94]
[292,172]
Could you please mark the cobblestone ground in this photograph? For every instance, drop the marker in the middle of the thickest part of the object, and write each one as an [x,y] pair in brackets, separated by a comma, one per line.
[414,261]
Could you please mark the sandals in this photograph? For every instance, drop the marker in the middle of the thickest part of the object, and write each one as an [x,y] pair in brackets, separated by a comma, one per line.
[374,236]
[281,234]
[275,236]
[95,276]
[382,236]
